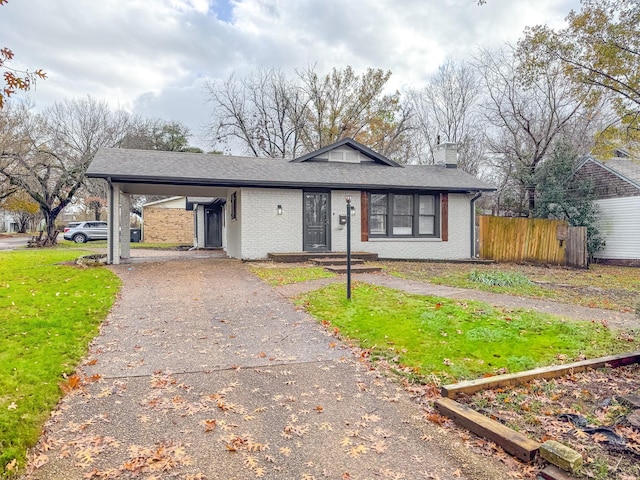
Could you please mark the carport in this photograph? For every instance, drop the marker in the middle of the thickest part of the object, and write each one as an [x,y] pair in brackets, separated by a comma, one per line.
[140,172]
[119,207]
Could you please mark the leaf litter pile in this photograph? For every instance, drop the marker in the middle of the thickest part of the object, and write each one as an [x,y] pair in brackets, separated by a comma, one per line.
[587,411]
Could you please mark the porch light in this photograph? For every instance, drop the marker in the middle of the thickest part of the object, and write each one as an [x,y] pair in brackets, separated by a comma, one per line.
[279,209]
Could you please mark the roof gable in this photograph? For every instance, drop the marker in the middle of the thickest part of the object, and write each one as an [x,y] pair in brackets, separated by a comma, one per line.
[614,178]
[346,150]
[624,168]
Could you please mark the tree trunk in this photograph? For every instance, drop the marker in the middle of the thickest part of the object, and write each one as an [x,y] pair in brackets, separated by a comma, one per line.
[531,197]
[50,229]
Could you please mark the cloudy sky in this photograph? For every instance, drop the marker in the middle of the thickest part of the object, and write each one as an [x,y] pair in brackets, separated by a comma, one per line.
[152,56]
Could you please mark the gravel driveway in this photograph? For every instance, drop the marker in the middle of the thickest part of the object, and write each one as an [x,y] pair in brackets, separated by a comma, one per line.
[203,371]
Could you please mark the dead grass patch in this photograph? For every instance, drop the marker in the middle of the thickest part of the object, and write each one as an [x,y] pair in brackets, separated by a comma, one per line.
[601,286]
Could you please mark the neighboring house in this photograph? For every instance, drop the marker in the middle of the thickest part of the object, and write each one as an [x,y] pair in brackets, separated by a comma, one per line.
[280,206]
[74,212]
[617,188]
[167,221]
[7,222]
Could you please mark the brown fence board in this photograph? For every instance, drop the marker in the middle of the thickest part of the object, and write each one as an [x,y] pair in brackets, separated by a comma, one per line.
[576,252]
[536,240]
[521,240]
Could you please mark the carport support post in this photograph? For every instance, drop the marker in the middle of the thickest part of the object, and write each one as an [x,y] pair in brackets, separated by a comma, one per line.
[118,236]
[113,229]
[125,225]
[348,199]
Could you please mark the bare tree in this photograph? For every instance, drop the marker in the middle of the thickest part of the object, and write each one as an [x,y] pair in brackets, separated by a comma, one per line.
[261,112]
[270,115]
[528,116]
[47,154]
[446,110]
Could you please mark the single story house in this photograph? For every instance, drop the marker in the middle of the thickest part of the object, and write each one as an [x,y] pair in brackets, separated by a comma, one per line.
[270,205]
[7,222]
[617,187]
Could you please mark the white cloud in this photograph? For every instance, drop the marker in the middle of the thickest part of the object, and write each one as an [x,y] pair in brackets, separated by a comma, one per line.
[152,55]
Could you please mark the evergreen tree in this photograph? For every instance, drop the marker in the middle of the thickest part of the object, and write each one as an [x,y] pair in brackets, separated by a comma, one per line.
[562,196]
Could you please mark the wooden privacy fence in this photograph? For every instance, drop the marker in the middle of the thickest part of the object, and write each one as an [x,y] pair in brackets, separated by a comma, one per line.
[535,240]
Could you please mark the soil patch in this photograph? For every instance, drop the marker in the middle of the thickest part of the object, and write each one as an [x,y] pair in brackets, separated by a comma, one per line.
[587,411]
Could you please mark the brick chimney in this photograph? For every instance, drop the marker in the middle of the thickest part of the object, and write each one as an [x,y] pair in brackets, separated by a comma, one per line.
[446,155]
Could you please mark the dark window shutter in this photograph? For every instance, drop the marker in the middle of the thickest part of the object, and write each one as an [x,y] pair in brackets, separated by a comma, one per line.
[364,216]
[444,201]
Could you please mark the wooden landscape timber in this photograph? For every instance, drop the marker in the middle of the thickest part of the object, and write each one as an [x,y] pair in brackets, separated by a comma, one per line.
[472,386]
[508,439]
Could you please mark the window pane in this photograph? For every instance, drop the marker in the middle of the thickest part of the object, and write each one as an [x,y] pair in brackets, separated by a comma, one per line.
[427,205]
[427,225]
[378,224]
[378,203]
[402,225]
[403,204]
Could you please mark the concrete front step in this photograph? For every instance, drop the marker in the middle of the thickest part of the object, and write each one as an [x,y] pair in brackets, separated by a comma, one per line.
[354,268]
[325,262]
[295,257]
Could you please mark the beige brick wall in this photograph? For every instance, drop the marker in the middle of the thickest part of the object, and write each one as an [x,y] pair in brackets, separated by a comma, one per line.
[168,225]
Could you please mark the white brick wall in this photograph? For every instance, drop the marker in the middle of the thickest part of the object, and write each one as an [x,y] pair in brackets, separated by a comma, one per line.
[259,230]
[263,230]
[234,227]
[457,247]
[200,226]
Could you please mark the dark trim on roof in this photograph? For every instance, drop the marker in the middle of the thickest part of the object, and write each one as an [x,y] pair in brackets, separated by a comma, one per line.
[214,201]
[603,165]
[203,182]
[353,144]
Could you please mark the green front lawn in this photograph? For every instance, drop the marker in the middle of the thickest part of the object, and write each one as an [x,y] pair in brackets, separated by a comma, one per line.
[455,339]
[48,315]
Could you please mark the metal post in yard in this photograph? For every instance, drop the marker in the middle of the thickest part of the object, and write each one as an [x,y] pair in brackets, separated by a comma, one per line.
[348,199]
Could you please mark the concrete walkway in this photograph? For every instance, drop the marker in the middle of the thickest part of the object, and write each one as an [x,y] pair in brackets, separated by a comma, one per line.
[610,318]
[202,371]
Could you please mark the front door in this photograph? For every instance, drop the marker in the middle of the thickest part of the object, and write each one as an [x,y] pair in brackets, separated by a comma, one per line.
[213,227]
[316,221]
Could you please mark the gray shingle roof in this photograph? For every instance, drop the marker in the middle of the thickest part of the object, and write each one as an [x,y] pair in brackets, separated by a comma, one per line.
[159,167]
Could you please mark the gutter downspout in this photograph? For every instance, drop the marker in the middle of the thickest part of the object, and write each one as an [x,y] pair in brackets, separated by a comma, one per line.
[473,223]
[110,235]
